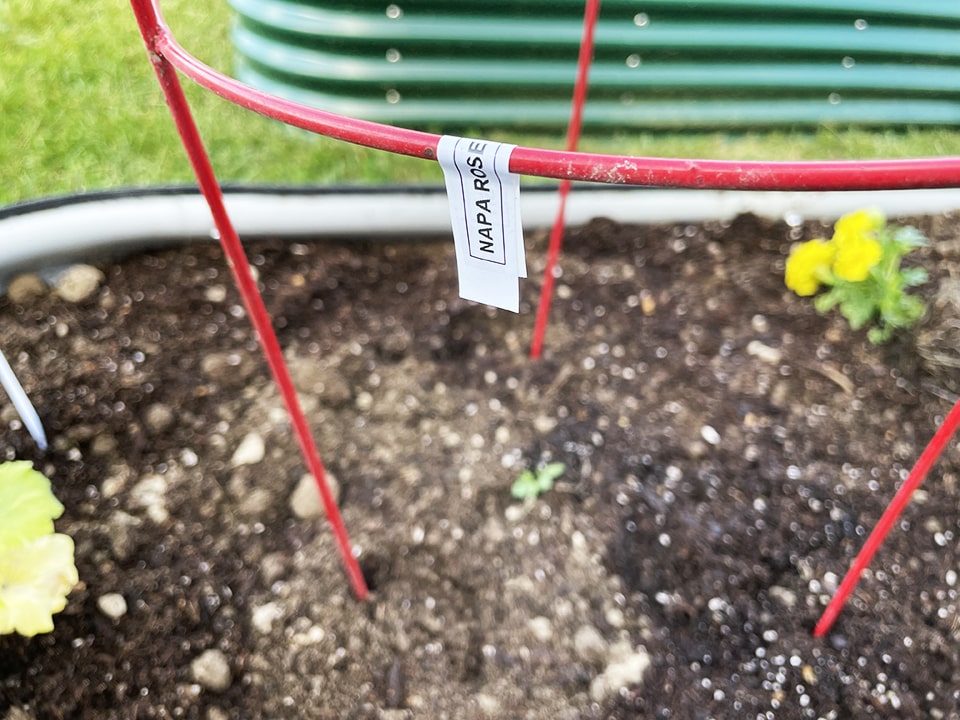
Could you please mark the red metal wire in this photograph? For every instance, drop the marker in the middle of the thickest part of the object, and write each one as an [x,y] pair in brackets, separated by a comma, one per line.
[900,500]
[590,15]
[914,173]
[240,266]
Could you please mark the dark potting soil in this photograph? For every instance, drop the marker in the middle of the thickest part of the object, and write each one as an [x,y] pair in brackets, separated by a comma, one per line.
[727,450]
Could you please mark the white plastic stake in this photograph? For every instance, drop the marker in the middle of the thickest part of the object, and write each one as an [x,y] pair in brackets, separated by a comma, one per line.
[22,403]
[484,201]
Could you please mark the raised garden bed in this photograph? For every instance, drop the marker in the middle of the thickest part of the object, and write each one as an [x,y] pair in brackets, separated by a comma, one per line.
[727,450]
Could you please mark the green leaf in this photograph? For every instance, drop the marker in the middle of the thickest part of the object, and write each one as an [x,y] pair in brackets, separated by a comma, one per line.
[913,276]
[552,471]
[35,579]
[857,311]
[826,302]
[909,237]
[27,506]
[524,486]
[529,484]
[906,312]
[879,335]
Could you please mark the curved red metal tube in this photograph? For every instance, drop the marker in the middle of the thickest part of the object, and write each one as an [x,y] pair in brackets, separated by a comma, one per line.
[166,53]
[916,173]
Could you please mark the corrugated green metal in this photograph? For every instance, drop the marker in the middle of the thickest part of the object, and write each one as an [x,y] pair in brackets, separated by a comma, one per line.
[658,64]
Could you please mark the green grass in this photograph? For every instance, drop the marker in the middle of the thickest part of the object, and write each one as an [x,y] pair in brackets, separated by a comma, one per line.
[80,110]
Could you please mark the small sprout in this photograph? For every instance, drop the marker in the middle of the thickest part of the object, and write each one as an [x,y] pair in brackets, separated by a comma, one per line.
[37,569]
[530,484]
[860,265]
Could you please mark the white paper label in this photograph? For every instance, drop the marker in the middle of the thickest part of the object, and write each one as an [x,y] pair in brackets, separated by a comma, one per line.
[484,201]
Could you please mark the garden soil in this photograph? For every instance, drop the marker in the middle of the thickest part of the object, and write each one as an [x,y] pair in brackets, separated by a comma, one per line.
[727,450]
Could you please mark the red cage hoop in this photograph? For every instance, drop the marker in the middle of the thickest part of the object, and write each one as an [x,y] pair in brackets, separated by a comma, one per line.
[168,57]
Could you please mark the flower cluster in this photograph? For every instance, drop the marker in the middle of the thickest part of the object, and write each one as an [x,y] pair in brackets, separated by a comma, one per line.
[860,265]
[37,570]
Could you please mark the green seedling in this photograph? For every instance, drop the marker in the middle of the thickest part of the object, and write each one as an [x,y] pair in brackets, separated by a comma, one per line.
[531,483]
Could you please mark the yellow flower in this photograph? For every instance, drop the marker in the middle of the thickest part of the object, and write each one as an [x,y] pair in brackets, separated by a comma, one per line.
[857,248]
[807,264]
[858,224]
[856,257]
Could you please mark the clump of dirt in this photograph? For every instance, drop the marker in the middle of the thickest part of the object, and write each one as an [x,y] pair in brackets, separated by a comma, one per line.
[727,450]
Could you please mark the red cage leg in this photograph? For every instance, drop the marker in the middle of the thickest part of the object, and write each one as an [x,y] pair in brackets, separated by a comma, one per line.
[900,500]
[590,14]
[151,30]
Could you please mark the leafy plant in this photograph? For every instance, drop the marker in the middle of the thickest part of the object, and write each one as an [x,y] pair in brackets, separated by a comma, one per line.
[37,569]
[531,483]
[861,266]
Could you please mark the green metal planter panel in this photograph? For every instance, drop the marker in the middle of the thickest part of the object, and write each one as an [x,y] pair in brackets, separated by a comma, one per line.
[706,64]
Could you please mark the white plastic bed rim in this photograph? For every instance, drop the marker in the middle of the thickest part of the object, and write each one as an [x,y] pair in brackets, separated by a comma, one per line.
[74,228]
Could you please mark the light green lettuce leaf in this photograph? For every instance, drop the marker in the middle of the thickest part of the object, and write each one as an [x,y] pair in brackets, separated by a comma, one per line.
[27,506]
[35,579]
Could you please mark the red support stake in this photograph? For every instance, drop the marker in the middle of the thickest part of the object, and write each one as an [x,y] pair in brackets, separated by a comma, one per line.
[152,30]
[900,500]
[590,15]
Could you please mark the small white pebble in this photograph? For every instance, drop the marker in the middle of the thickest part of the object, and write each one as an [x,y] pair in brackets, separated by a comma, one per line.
[710,435]
[151,494]
[79,283]
[250,451]
[112,485]
[313,636]
[764,353]
[263,616]
[113,605]
[951,578]
[489,705]
[627,667]
[212,670]
[759,323]
[589,644]
[614,617]
[543,424]
[26,287]
[305,500]
[514,513]
[216,293]
[541,628]
[784,595]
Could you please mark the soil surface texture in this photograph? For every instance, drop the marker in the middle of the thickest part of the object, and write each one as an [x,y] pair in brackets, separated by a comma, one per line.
[727,450]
